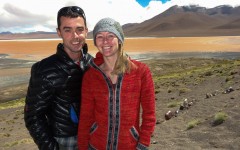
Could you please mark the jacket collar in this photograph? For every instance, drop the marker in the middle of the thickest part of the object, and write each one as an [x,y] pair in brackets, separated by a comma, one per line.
[98,60]
[60,52]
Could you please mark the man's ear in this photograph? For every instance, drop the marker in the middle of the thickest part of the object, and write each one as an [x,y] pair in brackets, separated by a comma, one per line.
[59,32]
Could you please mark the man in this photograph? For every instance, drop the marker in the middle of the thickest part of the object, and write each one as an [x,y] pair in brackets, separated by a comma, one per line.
[53,97]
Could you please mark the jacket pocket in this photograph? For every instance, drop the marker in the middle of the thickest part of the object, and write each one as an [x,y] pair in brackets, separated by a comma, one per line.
[134,133]
[93,128]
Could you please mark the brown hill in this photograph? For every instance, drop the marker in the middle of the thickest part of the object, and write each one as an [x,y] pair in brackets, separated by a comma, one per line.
[189,21]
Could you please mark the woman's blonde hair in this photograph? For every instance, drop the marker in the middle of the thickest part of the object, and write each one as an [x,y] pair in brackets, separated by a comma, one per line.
[123,63]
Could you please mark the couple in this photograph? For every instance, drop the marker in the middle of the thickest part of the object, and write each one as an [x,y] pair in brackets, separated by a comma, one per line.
[75,101]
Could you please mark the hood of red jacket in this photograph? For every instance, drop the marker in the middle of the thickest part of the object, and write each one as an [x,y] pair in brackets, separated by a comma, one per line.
[98,60]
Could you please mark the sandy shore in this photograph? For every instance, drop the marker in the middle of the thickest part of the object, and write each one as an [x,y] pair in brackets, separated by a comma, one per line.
[38,49]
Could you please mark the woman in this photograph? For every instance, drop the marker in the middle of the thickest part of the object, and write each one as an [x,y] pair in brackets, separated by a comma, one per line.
[113,90]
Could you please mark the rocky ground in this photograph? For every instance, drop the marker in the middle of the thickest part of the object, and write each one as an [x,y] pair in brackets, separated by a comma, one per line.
[210,87]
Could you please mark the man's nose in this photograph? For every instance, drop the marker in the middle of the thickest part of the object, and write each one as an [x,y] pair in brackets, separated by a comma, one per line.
[75,34]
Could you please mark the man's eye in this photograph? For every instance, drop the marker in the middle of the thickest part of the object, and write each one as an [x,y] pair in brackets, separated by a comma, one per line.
[67,30]
[80,30]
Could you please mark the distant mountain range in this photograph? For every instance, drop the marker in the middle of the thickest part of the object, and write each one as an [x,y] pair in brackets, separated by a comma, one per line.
[32,35]
[189,21]
[176,21]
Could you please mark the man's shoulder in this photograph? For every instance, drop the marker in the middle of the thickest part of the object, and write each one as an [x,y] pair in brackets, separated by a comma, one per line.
[51,58]
[45,63]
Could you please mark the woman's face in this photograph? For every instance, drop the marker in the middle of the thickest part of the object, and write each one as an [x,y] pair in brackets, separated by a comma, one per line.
[107,44]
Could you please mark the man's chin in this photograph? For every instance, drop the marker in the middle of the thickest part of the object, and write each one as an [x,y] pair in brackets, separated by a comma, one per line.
[76,51]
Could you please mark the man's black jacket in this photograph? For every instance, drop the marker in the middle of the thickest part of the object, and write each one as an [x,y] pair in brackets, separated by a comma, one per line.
[54,88]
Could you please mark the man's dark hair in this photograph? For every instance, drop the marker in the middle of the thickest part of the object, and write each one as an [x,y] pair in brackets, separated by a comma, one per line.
[72,12]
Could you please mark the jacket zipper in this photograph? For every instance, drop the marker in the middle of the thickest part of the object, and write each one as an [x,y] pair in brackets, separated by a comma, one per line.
[114,114]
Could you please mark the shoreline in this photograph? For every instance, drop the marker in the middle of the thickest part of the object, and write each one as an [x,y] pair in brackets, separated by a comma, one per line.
[40,49]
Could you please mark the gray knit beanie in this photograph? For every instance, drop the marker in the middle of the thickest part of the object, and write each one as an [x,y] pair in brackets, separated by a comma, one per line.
[108,25]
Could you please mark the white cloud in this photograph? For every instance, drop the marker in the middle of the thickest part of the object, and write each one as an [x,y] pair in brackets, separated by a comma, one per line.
[25,15]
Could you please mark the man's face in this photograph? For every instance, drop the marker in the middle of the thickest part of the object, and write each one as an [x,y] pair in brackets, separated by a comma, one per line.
[73,33]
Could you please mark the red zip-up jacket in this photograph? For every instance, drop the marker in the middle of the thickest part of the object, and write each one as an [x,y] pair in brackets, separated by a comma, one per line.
[110,115]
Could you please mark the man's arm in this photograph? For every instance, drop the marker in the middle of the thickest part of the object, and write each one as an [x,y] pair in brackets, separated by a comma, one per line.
[37,104]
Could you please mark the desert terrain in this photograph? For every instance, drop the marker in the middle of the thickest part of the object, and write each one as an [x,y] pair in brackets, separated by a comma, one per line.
[204,83]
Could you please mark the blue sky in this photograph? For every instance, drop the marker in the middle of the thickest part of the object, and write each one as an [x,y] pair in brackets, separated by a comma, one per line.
[144,3]
[19,16]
